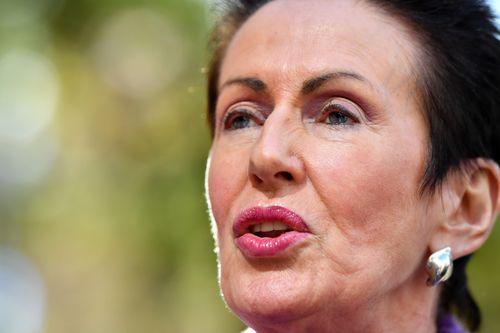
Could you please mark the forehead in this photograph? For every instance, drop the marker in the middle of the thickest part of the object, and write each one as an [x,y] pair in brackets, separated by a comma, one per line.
[288,40]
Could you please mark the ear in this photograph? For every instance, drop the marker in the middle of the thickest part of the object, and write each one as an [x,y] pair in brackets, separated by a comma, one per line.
[471,203]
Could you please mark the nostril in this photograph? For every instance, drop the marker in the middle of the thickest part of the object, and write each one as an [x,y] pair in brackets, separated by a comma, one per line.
[255,179]
[285,175]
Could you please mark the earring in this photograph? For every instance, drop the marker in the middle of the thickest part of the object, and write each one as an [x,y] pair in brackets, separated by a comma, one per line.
[439,266]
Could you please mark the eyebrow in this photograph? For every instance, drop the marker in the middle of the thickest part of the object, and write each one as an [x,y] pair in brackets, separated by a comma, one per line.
[308,86]
[312,84]
[255,84]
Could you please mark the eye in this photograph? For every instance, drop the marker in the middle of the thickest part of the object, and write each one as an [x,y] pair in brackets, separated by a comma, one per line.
[240,118]
[240,122]
[337,114]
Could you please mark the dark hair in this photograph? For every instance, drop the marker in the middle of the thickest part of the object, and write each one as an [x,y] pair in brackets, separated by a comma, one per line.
[459,81]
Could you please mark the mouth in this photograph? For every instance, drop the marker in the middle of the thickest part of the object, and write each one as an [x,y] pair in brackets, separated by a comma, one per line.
[268,231]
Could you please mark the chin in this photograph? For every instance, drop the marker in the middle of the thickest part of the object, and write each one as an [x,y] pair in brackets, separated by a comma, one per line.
[262,297]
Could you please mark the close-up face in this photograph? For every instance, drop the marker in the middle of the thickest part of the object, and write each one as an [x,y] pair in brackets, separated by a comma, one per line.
[319,129]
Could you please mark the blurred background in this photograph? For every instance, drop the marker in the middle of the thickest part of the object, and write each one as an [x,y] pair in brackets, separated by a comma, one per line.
[103,225]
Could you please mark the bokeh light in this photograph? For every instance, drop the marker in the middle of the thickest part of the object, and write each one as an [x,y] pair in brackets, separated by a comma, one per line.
[29,92]
[22,294]
[138,52]
[28,95]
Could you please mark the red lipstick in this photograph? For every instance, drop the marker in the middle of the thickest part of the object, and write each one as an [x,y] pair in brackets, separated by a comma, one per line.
[268,231]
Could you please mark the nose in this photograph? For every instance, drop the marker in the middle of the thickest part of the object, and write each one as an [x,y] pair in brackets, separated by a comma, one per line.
[275,161]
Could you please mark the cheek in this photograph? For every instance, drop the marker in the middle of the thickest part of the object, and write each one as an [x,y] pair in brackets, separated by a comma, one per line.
[226,177]
[375,217]
[371,191]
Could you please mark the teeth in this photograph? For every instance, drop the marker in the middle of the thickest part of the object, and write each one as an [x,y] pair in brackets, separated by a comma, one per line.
[255,228]
[279,226]
[268,226]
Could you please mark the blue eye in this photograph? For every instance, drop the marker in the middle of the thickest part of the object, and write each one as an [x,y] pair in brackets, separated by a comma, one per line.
[337,118]
[240,122]
[339,115]
[241,118]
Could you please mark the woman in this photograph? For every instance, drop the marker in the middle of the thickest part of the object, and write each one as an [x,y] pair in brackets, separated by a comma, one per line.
[355,154]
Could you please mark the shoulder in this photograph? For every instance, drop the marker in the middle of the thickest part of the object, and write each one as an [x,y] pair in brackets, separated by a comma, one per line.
[448,324]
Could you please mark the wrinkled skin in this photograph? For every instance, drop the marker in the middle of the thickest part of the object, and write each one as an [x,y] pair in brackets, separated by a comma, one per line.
[353,175]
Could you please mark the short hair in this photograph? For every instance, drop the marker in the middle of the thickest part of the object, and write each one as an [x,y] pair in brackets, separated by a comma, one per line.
[458,79]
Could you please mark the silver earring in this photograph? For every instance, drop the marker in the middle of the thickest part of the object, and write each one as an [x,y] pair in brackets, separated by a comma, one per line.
[439,266]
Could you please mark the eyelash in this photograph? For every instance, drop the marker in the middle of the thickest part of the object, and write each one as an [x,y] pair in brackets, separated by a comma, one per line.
[234,114]
[334,107]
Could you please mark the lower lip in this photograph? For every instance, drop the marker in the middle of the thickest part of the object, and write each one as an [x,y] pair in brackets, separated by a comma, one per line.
[253,246]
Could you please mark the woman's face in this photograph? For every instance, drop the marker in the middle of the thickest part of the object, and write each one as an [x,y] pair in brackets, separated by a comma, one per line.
[319,126]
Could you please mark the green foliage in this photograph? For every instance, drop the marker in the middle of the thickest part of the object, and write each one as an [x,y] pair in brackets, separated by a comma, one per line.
[118,227]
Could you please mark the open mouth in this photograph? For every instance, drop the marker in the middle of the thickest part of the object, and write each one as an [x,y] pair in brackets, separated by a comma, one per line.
[269,229]
[272,221]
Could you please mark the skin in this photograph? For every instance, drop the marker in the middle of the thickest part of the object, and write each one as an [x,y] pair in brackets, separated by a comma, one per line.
[355,183]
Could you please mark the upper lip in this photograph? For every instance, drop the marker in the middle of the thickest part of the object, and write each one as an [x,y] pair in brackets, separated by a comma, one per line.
[256,215]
